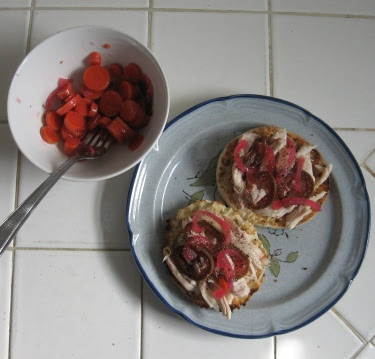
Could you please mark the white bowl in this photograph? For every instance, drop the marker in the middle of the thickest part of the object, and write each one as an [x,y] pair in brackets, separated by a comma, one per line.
[63,55]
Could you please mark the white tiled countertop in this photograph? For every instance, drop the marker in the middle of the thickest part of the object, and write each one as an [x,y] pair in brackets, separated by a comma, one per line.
[69,287]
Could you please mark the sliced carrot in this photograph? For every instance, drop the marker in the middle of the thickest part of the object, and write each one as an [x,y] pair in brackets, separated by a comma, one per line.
[120,130]
[74,121]
[78,134]
[110,103]
[127,90]
[96,78]
[82,108]
[70,97]
[49,135]
[131,111]
[115,70]
[90,94]
[53,120]
[70,145]
[93,122]
[132,73]
[65,134]
[65,91]
[87,101]
[93,109]
[95,58]
[69,105]
[104,121]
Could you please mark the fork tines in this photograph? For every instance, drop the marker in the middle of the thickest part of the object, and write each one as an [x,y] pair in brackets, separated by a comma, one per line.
[98,138]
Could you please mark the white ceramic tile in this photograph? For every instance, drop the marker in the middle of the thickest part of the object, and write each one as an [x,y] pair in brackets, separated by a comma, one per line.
[323,64]
[75,214]
[367,353]
[15,3]
[72,304]
[92,3]
[48,22]
[360,143]
[8,165]
[318,340]
[13,29]
[207,55]
[370,161]
[357,305]
[5,285]
[212,4]
[357,7]
[161,326]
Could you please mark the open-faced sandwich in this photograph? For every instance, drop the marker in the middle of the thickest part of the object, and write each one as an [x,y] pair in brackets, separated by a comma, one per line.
[214,256]
[273,175]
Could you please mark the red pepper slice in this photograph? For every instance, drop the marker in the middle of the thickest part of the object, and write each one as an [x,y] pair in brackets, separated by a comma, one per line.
[236,155]
[289,201]
[224,288]
[224,225]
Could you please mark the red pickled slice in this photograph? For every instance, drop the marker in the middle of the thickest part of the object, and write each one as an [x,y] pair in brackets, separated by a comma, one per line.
[223,224]
[263,181]
[290,201]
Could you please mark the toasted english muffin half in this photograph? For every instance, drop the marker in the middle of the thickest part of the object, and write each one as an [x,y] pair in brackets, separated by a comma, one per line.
[214,256]
[241,192]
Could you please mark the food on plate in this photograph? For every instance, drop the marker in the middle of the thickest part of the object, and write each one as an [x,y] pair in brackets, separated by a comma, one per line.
[273,175]
[214,256]
[118,98]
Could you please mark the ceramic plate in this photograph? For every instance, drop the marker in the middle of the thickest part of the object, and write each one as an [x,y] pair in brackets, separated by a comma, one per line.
[311,266]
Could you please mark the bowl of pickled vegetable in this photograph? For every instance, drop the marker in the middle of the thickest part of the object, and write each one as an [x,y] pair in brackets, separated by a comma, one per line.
[82,80]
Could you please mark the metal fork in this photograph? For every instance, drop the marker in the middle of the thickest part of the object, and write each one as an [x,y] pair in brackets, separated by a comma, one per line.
[94,145]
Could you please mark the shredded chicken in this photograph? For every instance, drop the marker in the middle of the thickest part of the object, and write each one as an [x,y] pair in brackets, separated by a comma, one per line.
[256,194]
[207,295]
[274,213]
[239,184]
[304,152]
[301,212]
[240,288]
[278,140]
[225,307]
[324,175]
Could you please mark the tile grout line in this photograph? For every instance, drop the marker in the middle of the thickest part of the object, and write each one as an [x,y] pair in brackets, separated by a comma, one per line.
[16,200]
[149,24]
[360,349]
[294,13]
[275,347]
[142,321]
[270,49]
[349,325]
[68,249]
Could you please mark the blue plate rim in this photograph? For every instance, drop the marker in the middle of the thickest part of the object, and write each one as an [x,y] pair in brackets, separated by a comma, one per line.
[363,184]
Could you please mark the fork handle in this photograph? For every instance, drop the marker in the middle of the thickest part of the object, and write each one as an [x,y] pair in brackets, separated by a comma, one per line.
[16,219]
